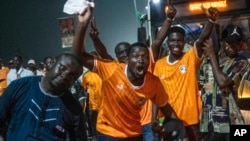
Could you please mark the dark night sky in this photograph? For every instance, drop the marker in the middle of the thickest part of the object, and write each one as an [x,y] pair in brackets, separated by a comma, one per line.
[117,21]
[30,28]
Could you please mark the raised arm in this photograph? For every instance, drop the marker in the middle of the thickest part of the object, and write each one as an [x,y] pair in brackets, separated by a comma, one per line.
[222,79]
[162,34]
[99,46]
[213,15]
[79,39]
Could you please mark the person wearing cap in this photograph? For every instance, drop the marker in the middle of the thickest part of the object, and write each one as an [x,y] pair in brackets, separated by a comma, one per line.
[10,64]
[31,65]
[220,89]
[31,62]
[3,76]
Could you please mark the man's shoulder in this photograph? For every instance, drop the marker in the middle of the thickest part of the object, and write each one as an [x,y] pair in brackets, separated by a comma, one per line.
[12,71]
[27,80]
[161,60]
[151,77]
[26,71]
[5,69]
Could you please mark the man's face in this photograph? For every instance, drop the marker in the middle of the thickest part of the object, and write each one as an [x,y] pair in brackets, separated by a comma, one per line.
[63,74]
[121,53]
[232,48]
[49,62]
[17,62]
[176,43]
[138,61]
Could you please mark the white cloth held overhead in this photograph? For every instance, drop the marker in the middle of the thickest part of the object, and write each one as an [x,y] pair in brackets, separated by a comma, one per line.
[76,6]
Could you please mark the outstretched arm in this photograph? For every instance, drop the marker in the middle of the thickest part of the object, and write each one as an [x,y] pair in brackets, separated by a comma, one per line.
[213,15]
[99,46]
[162,34]
[79,40]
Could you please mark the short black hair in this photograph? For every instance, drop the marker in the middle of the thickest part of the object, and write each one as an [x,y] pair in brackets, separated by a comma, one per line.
[19,57]
[177,29]
[137,44]
[47,57]
[71,55]
[121,43]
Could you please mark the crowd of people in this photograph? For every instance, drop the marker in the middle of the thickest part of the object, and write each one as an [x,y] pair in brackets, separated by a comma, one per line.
[80,95]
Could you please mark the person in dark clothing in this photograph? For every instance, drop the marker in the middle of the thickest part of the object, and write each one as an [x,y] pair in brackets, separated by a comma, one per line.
[43,105]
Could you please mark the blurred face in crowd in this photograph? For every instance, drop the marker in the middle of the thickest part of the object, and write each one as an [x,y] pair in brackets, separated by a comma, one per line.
[121,52]
[17,62]
[48,62]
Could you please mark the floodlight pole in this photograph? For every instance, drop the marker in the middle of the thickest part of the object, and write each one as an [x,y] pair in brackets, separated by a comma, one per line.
[149,23]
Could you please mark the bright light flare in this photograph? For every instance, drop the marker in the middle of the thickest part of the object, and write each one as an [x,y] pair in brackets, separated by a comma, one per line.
[156,1]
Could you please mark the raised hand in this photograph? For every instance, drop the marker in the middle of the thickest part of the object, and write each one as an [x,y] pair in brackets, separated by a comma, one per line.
[212,13]
[171,11]
[86,15]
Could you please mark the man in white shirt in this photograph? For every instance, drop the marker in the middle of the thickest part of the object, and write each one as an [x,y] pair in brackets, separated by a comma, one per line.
[18,70]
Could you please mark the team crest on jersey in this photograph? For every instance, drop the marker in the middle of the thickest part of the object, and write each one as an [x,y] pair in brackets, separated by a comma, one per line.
[120,86]
[162,76]
[183,69]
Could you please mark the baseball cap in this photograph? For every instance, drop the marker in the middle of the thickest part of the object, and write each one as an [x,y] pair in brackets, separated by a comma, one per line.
[31,61]
[231,33]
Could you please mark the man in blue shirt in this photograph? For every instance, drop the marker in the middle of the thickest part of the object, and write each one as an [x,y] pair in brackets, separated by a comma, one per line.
[41,107]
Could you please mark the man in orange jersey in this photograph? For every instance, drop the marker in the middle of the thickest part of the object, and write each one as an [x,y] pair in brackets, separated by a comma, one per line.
[178,74]
[3,77]
[125,89]
[121,52]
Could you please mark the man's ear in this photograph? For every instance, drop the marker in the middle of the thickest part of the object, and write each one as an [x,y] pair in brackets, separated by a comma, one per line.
[243,46]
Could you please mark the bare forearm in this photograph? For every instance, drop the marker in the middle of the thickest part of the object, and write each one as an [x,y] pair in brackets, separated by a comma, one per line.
[206,32]
[168,111]
[161,35]
[78,44]
[101,49]
[219,76]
